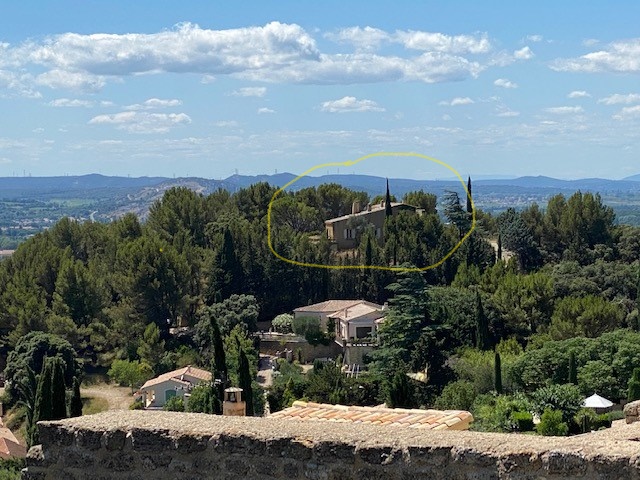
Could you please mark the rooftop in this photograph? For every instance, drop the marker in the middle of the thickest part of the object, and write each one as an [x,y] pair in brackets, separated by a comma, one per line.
[357,310]
[331,306]
[374,208]
[394,417]
[178,376]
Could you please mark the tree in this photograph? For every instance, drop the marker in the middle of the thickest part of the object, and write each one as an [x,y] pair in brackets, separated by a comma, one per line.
[58,390]
[388,211]
[499,253]
[244,381]
[130,373]
[174,404]
[283,323]
[200,399]
[552,424]
[565,398]
[75,402]
[634,386]
[43,409]
[498,374]
[597,376]
[469,201]
[30,352]
[399,391]
[423,200]
[573,370]
[483,337]
[458,395]
[151,349]
[227,278]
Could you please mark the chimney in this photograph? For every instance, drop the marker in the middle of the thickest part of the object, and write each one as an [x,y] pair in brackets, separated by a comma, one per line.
[355,207]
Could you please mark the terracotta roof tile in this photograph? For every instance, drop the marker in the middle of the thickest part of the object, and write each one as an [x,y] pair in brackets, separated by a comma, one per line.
[177,375]
[396,417]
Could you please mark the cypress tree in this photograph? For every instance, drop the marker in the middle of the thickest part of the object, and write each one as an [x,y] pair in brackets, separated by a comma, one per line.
[573,371]
[499,254]
[228,270]
[469,205]
[75,402]
[637,325]
[634,386]
[42,405]
[388,211]
[498,374]
[219,367]
[399,391]
[58,390]
[244,380]
[482,326]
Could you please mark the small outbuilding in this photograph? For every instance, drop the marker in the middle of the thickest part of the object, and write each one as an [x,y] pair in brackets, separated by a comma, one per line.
[157,391]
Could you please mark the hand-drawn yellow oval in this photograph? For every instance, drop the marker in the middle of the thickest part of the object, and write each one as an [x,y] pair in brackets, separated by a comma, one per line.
[349,163]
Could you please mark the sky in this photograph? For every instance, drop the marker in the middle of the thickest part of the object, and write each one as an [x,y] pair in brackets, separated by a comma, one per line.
[209,89]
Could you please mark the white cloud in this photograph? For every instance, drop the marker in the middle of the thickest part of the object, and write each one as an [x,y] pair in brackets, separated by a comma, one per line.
[70,102]
[227,124]
[107,103]
[70,80]
[564,110]
[590,42]
[504,111]
[578,94]
[152,103]
[457,101]
[142,122]
[20,84]
[523,54]
[534,38]
[366,38]
[249,92]
[350,104]
[206,79]
[439,42]
[265,110]
[618,57]
[628,113]
[504,83]
[618,98]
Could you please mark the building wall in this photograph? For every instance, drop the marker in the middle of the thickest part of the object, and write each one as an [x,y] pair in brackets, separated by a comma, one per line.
[160,395]
[168,445]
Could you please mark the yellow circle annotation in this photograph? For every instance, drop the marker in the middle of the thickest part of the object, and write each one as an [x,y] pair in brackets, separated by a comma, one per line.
[349,163]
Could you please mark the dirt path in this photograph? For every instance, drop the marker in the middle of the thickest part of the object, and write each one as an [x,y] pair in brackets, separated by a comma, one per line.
[118,398]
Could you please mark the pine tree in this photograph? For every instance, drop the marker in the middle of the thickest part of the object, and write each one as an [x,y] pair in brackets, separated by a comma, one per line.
[75,402]
[482,326]
[499,255]
[634,385]
[228,273]
[469,203]
[573,371]
[58,390]
[244,381]
[388,211]
[498,374]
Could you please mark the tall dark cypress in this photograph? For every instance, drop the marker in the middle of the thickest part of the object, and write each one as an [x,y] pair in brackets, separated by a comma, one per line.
[573,370]
[482,326]
[228,273]
[58,390]
[637,325]
[388,211]
[499,255]
[75,402]
[498,374]
[244,380]
[469,206]
[219,373]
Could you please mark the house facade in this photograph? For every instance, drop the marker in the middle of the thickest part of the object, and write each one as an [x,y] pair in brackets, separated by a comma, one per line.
[157,391]
[343,231]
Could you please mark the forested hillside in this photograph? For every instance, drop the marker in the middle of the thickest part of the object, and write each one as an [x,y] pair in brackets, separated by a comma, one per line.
[114,290]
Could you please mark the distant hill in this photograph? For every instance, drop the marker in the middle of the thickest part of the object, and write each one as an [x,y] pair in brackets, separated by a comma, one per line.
[633,178]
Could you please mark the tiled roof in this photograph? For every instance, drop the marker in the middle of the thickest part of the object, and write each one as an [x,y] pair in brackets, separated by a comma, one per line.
[395,417]
[9,445]
[355,311]
[332,306]
[374,208]
[178,376]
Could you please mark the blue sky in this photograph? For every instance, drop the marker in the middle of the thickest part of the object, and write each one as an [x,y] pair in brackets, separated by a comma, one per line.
[209,88]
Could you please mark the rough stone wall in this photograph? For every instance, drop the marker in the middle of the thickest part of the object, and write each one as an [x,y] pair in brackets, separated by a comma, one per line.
[309,352]
[166,445]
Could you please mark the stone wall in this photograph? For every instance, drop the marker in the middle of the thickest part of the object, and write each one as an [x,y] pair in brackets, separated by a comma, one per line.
[309,352]
[164,445]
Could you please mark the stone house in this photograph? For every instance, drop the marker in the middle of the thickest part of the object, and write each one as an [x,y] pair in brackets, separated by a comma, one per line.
[343,231]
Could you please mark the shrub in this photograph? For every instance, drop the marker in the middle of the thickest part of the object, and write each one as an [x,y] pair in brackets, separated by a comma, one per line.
[565,398]
[551,424]
[458,395]
[522,421]
[634,386]
[585,419]
[283,323]
[136,405]
[174,404]
[494,413]
[602,421]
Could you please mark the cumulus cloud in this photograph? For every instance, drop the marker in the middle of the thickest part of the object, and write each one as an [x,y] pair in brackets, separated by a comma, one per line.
[249,92]
[628,113]
[523,54]
[152,103]
[70,80]
[457,101]
[504,83]
[350,104]
[564,110]
[142,122]
[535,38]
[578,94]
[227,124]
[19,84]
[618,57]
[618,98]
[504,111]
[70,102]
[265,110]
[439,42]
[362,38]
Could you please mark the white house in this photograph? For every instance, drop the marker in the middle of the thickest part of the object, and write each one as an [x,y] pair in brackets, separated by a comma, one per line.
[358,321]
[157,391]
